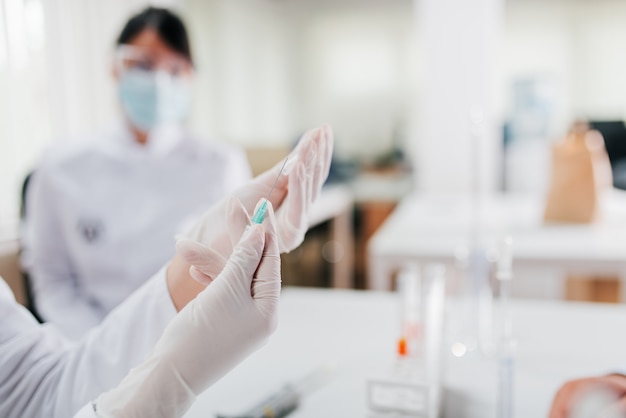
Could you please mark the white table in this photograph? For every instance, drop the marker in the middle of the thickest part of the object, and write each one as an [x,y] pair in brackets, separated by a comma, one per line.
[358,329]
[431,229]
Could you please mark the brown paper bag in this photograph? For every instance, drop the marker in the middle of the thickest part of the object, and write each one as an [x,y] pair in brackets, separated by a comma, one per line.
[580,170]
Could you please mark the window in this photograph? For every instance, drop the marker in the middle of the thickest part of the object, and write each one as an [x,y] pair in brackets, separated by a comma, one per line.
[24,101]
[55,81]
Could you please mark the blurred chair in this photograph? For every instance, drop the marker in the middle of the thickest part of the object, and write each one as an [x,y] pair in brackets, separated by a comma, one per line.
[11,272]
[593,289]
[264,158]
[26,282]
[10,268]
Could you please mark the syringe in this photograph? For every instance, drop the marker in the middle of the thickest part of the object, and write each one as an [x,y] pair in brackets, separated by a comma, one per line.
[504,274]
[259,215]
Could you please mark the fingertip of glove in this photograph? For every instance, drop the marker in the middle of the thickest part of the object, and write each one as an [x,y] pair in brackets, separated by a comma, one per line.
[326,142]
[309,138]
[259,203]
[253,231]
[191,251]
[199,276]
[327,131]
[269,211]
[182,245]
[269,226]
[253,239]
[270,208]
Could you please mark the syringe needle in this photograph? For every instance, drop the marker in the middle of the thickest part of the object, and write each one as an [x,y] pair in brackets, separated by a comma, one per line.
[259,215]
[277,177]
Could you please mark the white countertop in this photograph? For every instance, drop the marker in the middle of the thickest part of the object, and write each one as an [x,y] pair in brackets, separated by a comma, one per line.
[377,187]
[358,330]
[433,228]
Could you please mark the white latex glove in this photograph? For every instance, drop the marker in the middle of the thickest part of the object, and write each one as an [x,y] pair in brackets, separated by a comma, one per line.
[212,334]
[209,244]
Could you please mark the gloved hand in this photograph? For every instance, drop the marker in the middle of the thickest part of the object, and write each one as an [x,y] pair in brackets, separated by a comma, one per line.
[606,393]
[209,244]
[212,334]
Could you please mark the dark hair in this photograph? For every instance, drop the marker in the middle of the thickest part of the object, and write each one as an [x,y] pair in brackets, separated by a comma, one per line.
[169,26]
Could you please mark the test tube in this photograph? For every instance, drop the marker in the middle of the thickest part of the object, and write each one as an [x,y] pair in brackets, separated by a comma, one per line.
[506,360]
[422,299]
[434,296]
[410,290]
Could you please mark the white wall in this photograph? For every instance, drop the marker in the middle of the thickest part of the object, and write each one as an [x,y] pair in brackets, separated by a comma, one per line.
[244,84]
[80,38]
[359,73]
[580,47]
[599,59]
[581,44]
[271,69]
[268,69]
[457,121]
[538,42]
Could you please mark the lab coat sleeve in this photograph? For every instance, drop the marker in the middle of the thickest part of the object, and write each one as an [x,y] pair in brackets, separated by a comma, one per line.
[121,342]
[42,375]
[57,297]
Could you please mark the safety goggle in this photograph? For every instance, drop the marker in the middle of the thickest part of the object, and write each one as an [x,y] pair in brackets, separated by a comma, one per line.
[129,57]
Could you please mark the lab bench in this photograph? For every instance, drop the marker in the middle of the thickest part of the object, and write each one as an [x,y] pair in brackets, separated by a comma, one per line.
[358,330]
[427,228]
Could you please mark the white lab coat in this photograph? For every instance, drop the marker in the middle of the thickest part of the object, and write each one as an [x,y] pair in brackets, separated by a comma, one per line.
[102,216]
[44,375]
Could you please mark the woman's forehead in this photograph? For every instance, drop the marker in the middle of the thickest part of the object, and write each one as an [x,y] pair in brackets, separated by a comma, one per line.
[149,41]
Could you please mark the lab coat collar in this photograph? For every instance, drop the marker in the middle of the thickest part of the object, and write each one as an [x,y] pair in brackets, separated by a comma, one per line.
[162,141]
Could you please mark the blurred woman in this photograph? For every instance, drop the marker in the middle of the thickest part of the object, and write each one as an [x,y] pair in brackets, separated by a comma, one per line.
[101,213]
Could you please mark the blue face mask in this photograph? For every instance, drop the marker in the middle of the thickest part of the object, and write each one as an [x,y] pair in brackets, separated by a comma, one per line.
[152,98]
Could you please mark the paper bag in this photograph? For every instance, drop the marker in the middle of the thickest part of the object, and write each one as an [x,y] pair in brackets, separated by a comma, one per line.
[580,170]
